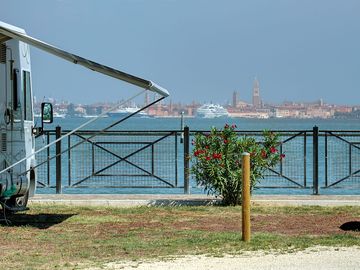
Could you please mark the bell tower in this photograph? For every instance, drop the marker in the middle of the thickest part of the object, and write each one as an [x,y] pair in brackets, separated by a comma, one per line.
[256,94]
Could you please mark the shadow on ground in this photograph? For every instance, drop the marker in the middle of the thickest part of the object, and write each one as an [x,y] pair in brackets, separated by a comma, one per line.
[40,221]
[174,202]
[351,226]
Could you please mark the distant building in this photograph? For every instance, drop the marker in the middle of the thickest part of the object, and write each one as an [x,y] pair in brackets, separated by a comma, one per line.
[256,101]
[235,99]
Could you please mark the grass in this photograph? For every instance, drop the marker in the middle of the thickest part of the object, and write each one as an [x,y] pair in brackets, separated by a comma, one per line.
[64,237]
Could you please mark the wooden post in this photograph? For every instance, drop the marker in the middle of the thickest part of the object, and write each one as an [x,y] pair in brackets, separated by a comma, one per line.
[246,233]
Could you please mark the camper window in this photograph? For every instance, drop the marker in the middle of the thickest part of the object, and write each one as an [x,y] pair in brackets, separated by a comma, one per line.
[27,96]
[16,95]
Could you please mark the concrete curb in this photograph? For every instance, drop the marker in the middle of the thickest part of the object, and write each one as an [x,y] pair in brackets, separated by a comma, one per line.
[121,200]
[126,203]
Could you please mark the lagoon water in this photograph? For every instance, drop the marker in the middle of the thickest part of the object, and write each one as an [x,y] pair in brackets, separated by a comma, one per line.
[205,124]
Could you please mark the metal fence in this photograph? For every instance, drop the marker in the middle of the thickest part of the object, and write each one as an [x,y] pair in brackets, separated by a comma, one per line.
[160,159]
[341,159]
[110,159]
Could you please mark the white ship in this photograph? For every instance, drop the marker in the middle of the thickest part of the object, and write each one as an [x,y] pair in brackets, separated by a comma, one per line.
[211,111]
[55,115]
[59,115]
[125,111]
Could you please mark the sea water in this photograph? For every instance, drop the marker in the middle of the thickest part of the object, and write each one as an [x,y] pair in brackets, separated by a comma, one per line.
[166,124]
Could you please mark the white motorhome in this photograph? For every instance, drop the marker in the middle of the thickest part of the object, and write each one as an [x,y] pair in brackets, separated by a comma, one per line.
[17,142]
[16,123]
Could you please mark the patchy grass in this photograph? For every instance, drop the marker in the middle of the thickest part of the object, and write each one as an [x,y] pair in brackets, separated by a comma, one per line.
[64,237]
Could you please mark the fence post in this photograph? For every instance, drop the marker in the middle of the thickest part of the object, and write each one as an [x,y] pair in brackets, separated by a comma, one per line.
[315,160]
[58,160]
[245,196]
[186,160]
[182,127]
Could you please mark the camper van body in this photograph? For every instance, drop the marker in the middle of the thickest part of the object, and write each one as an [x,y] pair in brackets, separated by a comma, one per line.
[16,123]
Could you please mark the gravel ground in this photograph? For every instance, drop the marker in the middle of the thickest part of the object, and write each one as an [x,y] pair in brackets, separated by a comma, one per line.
[317,258]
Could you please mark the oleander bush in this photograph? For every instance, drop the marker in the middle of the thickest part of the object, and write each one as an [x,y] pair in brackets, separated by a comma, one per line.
[217,161]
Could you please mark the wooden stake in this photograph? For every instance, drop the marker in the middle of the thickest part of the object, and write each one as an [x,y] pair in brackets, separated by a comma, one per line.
[246,233]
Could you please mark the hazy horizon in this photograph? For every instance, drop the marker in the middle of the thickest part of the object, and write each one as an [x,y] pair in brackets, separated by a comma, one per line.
[200,50]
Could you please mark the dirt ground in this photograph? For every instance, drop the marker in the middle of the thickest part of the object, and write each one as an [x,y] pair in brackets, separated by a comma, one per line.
[44,231]
[306,224]
[280,223]
[316,258]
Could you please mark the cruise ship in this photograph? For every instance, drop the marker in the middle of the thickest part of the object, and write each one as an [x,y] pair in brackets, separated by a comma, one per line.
[211,111]
[122,112]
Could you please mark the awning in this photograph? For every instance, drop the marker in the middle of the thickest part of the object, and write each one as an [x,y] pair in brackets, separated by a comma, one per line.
[8,31]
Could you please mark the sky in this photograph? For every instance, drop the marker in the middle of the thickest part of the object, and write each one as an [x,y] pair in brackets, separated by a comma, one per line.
[200,50]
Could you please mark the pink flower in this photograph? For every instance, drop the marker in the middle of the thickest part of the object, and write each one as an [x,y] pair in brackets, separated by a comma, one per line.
[273,150]
[207,158]
[226,141]
[263,154]
[226,126]
[234,126]
[282,156]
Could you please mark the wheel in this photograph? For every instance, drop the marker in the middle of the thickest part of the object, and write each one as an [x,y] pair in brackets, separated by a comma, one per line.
[18,203]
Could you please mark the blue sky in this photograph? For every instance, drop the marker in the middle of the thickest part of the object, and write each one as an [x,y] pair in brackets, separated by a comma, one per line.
[199,50]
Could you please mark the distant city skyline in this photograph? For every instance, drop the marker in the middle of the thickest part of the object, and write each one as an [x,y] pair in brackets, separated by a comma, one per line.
[228,101]
[200,50]
[237,109]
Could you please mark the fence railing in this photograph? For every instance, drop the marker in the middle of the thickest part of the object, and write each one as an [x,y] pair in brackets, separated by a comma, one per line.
[293,171]
[315,159]
[341,158]
[110,159]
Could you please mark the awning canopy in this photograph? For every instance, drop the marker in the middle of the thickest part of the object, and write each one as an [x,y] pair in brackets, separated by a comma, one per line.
[8,31]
